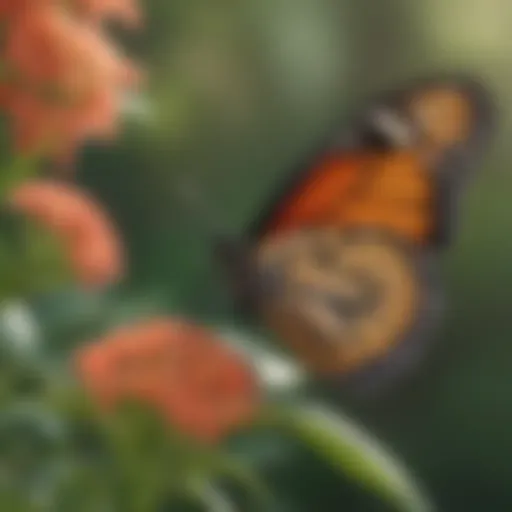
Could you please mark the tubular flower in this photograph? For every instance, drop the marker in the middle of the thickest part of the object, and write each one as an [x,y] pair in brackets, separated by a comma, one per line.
[48,46]
[11,8]
[65,79]
[88,236]
[38,125]
[182,370]
[96,11]
[126,11]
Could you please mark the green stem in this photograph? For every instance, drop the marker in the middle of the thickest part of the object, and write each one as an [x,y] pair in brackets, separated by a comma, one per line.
[211,498]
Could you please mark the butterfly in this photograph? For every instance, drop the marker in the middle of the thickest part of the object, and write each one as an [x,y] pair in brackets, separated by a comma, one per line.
[342,264]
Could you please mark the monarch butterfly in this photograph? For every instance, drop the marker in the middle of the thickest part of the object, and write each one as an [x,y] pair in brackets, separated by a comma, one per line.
[342,264]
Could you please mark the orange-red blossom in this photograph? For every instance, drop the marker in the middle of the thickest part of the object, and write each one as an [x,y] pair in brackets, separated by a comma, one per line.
[184,371]
[87,234]
[126,11]
[64,79]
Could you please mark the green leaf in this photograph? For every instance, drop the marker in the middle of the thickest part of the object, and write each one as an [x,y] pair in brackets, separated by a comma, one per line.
[349,449]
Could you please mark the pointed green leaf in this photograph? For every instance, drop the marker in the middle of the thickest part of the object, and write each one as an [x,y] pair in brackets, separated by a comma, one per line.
[355,453]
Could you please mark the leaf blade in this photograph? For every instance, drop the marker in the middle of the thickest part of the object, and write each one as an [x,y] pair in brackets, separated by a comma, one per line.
[348,448]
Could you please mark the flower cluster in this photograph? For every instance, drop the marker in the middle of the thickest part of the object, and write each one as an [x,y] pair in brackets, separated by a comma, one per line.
[63,80]
[184,371]
[62,85]
[87,234]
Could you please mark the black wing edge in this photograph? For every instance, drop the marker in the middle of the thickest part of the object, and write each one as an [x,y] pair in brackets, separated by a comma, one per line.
[459,166]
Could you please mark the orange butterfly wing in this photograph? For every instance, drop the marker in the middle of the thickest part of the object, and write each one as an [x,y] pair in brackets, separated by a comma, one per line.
[318,197]
[389,191]
[398,198]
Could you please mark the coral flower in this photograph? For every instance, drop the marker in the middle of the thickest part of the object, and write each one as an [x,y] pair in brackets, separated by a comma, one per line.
[184,371]
[48,45]
[67,80]
[87,233]
[96,11]
[126,11]
[10,8]
[41,126]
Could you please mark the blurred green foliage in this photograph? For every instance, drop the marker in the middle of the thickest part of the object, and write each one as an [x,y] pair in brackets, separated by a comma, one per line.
[59,451]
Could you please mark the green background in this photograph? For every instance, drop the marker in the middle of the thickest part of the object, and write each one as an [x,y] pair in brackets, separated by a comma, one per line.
[240,89]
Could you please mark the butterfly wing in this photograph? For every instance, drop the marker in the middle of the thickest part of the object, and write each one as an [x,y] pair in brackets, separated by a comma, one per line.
[450,121]
[446,122]
[324,176]
[316,199]
[345,301]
